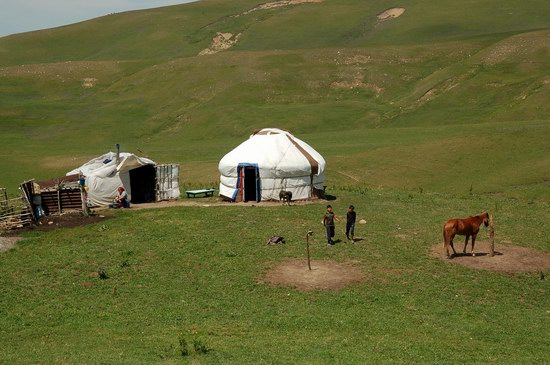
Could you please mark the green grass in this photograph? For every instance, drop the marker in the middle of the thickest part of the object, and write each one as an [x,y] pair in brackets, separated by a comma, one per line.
[169,280]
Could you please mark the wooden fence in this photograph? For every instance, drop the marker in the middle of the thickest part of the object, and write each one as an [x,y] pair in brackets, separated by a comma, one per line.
[14,212]
[61,195]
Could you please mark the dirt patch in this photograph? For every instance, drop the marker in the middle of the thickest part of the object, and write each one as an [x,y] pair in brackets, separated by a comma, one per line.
[390,14]
[7,243]
[356,84]
[89,82]
[278,4]
[357,60]
[521,46]
[507,258]
[221,42]
[66,220]
[324,275]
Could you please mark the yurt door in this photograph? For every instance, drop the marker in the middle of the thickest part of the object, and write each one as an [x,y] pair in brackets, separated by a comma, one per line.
[251,183]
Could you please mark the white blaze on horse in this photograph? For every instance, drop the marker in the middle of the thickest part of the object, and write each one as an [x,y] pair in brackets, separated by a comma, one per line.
[464,227]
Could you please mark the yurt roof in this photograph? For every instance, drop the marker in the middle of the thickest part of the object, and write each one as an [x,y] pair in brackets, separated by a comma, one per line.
[274,150]
[106,164]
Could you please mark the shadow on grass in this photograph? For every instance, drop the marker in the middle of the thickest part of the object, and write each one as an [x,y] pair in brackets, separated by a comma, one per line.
[477,254]
[334,242]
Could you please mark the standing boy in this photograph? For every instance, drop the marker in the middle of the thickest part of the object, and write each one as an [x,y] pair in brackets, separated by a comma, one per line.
[328,221]
[350,222]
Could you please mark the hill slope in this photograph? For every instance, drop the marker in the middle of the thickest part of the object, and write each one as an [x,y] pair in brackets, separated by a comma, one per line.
[442,97]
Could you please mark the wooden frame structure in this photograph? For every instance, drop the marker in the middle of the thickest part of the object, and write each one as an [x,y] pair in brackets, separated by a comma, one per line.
[14,212]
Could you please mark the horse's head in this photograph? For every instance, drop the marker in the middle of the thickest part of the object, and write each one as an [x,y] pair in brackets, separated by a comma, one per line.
[485,217]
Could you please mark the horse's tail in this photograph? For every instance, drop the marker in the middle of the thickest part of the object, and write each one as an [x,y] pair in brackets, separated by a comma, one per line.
[448,235]
[447,229]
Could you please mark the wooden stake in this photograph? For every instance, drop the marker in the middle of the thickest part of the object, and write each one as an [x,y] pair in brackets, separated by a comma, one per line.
[309,233]
[83,198]
[492,234]
[59,196]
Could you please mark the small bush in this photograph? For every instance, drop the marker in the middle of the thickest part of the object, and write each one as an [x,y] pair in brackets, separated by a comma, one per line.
[200,347]
[184,348]
[124,264]
[102,274]
[167,352]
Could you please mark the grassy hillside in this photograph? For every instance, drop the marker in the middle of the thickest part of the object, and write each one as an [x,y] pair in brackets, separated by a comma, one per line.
[442,98]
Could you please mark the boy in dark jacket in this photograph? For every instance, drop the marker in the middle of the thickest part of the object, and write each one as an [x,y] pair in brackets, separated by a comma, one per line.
[350,222]
[328,222]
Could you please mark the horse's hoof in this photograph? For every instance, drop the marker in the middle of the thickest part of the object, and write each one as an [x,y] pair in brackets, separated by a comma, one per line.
[473,254]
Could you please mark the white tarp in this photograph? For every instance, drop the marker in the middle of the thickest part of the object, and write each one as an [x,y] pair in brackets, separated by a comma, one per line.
[104,175]
[168,187]
[283,162]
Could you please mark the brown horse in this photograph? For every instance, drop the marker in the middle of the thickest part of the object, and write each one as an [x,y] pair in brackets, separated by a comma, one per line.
[464,227]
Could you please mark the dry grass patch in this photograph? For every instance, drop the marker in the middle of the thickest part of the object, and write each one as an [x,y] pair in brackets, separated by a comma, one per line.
[324,275]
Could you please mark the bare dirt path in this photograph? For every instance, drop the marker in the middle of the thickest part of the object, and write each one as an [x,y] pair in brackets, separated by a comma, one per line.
[205,202]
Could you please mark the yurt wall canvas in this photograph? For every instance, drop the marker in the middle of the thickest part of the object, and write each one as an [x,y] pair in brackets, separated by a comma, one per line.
[271,160]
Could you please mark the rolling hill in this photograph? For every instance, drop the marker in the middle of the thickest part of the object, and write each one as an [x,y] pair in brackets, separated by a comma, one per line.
[442,97]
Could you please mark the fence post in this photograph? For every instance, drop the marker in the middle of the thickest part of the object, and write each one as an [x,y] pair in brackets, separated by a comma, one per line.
[309,233]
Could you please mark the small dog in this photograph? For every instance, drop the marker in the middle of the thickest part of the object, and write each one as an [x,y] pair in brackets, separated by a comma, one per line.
[285,196]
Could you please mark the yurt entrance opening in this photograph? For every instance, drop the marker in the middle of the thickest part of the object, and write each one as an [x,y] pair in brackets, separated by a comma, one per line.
[251,182]
[142,184]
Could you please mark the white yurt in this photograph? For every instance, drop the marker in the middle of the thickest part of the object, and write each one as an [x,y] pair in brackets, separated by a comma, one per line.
[271,160]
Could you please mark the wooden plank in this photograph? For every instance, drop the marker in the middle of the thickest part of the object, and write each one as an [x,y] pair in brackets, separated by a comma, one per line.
[28,197]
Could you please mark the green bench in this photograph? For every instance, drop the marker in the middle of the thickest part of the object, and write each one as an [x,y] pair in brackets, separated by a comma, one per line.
[205,192]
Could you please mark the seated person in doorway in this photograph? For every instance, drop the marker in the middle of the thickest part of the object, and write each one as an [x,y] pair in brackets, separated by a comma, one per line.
[121,199]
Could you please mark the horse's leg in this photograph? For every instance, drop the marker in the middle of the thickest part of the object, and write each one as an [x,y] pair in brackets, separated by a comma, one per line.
[465,244]
[446,243]
[452,246]
[473,243]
